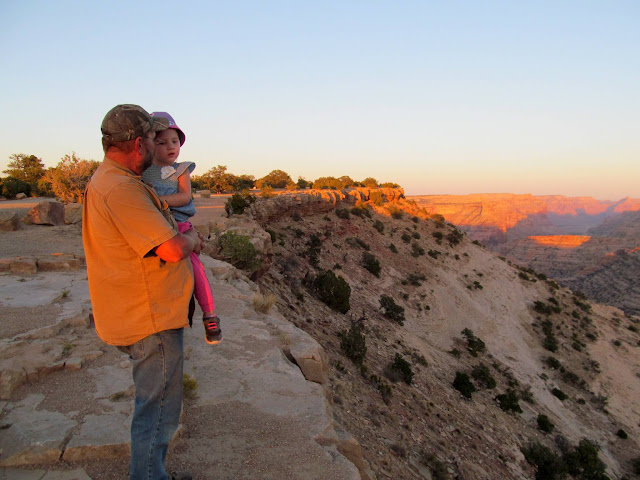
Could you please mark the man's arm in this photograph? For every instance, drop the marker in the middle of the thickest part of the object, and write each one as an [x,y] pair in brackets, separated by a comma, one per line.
[180,246]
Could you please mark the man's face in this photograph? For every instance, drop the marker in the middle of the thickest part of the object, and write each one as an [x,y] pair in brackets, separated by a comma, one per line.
[148,142]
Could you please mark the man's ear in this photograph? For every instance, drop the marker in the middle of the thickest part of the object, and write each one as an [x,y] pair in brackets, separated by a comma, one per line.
[138,145]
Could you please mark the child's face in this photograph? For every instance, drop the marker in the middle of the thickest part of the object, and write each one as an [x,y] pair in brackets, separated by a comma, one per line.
[167,147]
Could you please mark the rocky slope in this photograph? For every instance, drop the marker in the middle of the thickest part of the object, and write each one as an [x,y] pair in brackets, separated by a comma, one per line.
[444,284]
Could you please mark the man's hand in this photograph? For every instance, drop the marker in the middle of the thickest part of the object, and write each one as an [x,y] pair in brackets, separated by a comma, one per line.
[180,246]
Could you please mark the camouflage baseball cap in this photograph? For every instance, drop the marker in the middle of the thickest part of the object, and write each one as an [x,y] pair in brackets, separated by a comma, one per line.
[126,122]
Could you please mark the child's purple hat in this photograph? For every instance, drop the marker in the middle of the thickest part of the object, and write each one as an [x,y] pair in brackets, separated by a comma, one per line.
[172,124]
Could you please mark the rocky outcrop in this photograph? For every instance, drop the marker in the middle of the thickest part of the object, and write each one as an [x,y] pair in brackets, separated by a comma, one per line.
[47,213]
[9,222]
[72,213]
[309,202]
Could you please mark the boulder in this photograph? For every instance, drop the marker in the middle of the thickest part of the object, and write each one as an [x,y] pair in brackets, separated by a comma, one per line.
[23,266]
[47,213]
[9,222]
[59,263]
[72,213]
[20,196]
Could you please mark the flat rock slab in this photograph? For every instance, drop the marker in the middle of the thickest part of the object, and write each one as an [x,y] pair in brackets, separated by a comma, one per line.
[33,436]
[101,437]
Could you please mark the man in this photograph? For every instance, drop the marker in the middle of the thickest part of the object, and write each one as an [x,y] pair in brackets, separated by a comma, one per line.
[140,280]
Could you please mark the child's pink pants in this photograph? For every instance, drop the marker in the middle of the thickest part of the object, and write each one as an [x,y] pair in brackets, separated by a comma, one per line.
[201,288]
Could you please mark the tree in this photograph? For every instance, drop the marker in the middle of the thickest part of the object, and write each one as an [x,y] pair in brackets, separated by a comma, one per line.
[327,182]
[217,179]
[346,181]
[275,179]
[302,183]
[242,182]
[27,168]
[70,177]
[370,182]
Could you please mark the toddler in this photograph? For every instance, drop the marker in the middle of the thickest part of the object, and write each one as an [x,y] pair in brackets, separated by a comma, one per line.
[172,183]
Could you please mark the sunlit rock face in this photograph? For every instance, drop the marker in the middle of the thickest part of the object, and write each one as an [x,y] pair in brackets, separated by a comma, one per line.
[586,244]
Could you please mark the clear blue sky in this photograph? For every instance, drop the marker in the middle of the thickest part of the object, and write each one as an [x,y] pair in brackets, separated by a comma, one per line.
[441,97]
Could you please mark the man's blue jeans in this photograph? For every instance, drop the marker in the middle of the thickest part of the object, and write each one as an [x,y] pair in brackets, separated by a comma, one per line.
[157,375]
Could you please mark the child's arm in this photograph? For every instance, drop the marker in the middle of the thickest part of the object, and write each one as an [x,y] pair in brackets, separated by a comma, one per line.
[184,192]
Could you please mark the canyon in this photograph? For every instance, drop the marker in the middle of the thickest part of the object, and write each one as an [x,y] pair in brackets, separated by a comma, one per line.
[586,244]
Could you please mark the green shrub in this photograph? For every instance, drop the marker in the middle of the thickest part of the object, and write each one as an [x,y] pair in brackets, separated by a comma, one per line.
[342,213]
[353,342]
[549,466]
[391,310]
[400,369]
[463,384]
[395,212]
[406,238]
[622,434]
[559,394]
[455,237]
[333,290]
[416,250]
[545,424]
[11,186]
[314,246]
[238,202]
[433,253]
[508,401]
[438,236]
[361,211]
[474,344]
[239,251]
[583,462]
[393,248]
[415,235]
[379,226]
[438,220]
[552,362]
[481,374]
[415,279]
[371,263]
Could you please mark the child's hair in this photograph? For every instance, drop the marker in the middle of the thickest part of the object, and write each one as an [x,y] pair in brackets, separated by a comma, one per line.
[172,124]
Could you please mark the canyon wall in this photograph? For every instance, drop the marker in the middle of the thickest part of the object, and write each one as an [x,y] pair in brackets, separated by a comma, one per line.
[586,244]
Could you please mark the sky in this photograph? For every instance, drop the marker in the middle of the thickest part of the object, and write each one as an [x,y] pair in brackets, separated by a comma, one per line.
[441,97]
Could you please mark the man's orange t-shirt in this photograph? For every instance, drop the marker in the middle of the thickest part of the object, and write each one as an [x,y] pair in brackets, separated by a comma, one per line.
[133,292]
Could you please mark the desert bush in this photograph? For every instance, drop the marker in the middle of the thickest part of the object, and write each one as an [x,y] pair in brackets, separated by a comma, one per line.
[583,462]
[622,434]
[481,374]
[376,197]
[238,202]
[508,401]
[437,468]
[239,251]
[343,213]
[400,369]
[415,279]
[463,384]
[314,246]
[263,303]
[416,250]
[361,211]
[267,191]
[379,226]
[395,212]
[433,253]
[333,290]
[549,466]
[545,424]
[353,342]
[438,220]
[415,235]
[391,310]
[559,394]
[474,344]
[11,186]
[371,263]
[393,248]
[406,238]
[438,236]
[635,464]
[552,362]
[454,237]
